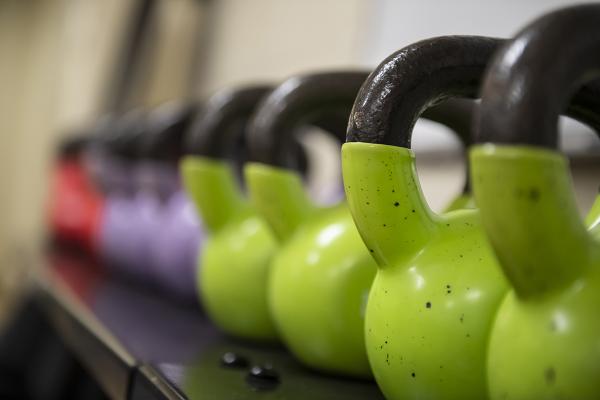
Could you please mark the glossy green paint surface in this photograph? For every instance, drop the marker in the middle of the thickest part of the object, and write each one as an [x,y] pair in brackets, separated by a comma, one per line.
[320,277]
[438,285]
[545,343]
[235,259]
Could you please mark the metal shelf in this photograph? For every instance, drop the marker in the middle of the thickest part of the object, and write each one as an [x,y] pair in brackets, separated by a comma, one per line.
[137,344]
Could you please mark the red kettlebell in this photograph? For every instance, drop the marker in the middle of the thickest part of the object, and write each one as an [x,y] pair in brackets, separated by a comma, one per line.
[74,204]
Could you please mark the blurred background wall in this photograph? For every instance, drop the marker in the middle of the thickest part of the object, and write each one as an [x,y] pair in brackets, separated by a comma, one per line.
[58,61]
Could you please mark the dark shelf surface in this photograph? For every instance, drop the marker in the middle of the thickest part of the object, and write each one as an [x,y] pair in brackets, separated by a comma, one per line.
[139,344]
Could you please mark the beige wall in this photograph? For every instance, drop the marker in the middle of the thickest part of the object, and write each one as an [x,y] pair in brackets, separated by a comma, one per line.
[271,39]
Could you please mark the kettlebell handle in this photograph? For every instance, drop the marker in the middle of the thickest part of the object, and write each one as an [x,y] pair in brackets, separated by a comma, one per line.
[321,99]
[562,52]
[325,100]
[216,130]
[413,79]
[166,128]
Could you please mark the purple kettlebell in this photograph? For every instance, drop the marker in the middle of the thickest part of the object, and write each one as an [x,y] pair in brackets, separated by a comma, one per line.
[117,163]
[172,246]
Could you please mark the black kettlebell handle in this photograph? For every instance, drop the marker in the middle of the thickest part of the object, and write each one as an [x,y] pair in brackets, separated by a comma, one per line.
[218,126]
[534,77]
[321,99]
[325,100]
[166,128]
[123,134]
[413,79]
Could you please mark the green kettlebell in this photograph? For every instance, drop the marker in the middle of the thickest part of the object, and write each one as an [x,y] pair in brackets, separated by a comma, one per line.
[322,273]
[233,266]
[438,285]
[234,261]
[545,342]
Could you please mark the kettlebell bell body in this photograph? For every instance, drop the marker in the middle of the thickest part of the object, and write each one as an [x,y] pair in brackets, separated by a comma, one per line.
[115,227]
[320,276]
[550,338]
[75,206]
[179,237]
[234,262]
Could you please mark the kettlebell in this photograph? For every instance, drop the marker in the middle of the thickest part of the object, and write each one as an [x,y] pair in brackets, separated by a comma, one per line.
[172,246]
[544,341]
[74,204]
[322,272]
[438,286]
[234,257]
[120,142]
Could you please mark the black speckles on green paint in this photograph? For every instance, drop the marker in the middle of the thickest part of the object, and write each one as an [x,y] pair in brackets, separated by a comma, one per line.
[371,251]
[393,190]
[396,204]
[428,304]
[413,210]
[462,318]
[368,203]
[384,225]
[448,289]
[414,375]
[387,358]
[550,375]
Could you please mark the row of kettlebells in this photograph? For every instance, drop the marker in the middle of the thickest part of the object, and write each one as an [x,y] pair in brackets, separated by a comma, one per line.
[116,193]
[493,302]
